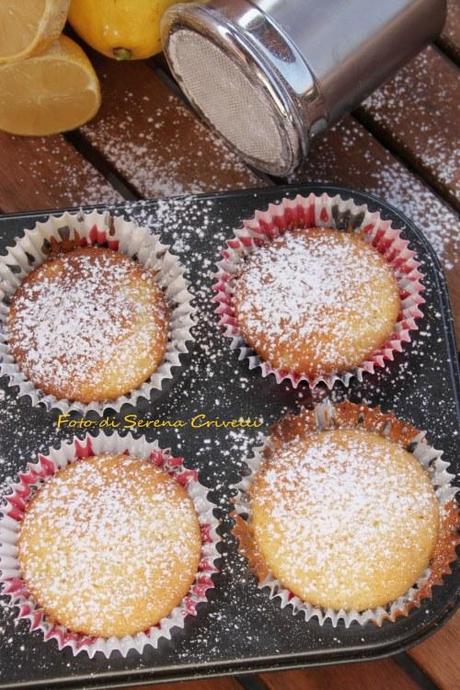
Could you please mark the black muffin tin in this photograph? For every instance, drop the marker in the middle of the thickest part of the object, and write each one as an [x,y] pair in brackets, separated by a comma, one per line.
[240,630]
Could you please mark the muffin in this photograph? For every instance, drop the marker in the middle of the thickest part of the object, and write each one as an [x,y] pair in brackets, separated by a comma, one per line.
[88,325]
[316,301]
[347,514]
[345,519]
[109,546]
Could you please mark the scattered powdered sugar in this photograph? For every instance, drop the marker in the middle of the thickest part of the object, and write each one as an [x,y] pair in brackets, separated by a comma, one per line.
[192,224]
[103,541]
[420,110]
[170,153]
[78,314]
[55,175]
[350,156]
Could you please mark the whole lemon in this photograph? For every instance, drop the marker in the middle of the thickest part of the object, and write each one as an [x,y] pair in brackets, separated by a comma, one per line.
[121,29]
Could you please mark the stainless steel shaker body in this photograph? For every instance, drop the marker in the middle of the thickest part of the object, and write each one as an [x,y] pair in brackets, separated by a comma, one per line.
[270,75]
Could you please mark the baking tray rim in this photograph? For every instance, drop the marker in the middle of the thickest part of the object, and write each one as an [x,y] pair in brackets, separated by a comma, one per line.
[257,664]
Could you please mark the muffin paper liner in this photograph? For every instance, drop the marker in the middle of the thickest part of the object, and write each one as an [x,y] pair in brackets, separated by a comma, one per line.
[72,230]
[348,415]
[15,505]
[328,212]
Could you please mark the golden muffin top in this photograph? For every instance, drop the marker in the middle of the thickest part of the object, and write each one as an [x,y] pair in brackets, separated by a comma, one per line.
[91,324]
[344,518]
[316,300]
[109,545]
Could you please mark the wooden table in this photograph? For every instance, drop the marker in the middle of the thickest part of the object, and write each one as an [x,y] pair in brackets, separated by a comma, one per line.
[403,144]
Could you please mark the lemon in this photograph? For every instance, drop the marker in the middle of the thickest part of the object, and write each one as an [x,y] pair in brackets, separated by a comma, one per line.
[29,26]
[51,92]
[121,29]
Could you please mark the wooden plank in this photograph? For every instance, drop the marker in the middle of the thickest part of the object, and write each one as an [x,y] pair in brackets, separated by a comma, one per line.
[439,657]
[417,113]
[39,173]
[349,155]
[450,36]
[378,675]
[155,142]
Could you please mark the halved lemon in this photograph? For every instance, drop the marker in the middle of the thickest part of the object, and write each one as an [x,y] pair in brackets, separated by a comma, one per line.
[29,26]
[52,92]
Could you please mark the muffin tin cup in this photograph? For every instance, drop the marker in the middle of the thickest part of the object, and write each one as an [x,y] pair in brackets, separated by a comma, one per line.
[87,229]
[15,504]
[328,212]
[329,416]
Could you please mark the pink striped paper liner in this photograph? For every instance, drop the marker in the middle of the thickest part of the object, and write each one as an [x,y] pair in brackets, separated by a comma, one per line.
[13,511]
[328,212]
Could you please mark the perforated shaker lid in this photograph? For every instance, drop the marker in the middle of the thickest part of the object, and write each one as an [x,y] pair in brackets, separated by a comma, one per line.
[233,84]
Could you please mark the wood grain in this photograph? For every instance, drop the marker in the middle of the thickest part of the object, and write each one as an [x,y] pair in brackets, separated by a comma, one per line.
[439,655]
[349,155]
[375,675]
[40,173]
[154,141]
[418,113]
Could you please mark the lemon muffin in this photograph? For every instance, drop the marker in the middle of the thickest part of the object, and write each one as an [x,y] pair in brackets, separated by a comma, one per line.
[109,546]
[88,325]
[344,518]
[316,301]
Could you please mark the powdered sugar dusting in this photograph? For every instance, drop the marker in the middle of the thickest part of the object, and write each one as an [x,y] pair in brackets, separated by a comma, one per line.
[78,315]
[314,298]
[365,526]
[101,541]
